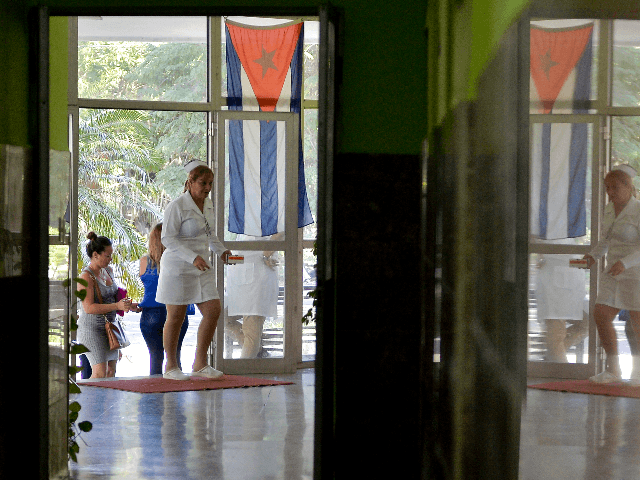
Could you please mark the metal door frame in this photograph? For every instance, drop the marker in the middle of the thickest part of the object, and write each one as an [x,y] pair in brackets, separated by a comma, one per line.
[577,370]
[291,247]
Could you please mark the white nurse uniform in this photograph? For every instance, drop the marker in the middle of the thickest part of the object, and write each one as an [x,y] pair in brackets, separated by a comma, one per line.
[621,242]
[187,233]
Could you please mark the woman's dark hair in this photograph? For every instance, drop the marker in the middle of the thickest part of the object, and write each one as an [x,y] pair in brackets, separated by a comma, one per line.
[96,244]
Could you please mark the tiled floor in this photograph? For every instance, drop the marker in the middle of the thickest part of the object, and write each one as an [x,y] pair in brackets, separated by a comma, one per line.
[267,433]
[245,433]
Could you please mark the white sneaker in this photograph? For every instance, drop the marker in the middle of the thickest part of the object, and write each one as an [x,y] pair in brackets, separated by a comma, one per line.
[207,372]
[605,377]
[175,374]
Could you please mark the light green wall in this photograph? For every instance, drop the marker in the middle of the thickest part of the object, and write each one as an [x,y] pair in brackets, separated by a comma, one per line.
[14,77]
[490,20]
[384,100]
[58,82]
[383,95]
[463,37]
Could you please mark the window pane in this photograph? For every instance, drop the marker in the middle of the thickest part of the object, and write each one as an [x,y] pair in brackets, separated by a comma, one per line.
[130,167]
[625,143]
[143,58]
[563,65]
[309,284]
[254,306]
[310,59]
[558,309]
[310,152]
[626,63]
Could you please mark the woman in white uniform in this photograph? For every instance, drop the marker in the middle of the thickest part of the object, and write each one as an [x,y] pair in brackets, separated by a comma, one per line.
[185,275]
[619,284]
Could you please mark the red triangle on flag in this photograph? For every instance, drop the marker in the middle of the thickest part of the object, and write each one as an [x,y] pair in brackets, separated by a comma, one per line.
[265,54]
[553,55]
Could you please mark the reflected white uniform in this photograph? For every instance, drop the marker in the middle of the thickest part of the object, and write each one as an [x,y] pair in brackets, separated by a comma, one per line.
[252,287]
[184,234]
[621,242]
[560,289]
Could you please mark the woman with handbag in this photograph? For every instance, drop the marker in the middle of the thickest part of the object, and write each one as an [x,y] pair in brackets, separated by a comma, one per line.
[154,314]
[99,306]
[185,274]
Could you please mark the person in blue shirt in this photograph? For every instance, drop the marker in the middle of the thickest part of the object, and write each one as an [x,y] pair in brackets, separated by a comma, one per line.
[154,314]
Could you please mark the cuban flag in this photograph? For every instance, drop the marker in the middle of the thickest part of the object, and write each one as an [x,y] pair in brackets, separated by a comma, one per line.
[264,73]
[560,65]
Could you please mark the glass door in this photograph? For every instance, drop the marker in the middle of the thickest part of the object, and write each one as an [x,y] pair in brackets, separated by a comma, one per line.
[564,184]
[260,330]
[566,158]
[59,300]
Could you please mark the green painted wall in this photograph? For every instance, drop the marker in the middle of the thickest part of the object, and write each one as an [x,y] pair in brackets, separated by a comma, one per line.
[14,55]
[384,101]
[463,37]
[490,19]
[385,104]
[58,82]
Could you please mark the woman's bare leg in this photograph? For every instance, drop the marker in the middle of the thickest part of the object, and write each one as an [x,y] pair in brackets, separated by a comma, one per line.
[210,313]
[111,368]
[171,334]
[604,315]
[99,370]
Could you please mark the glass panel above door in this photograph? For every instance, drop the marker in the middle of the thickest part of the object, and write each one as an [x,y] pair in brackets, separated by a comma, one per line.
[143,58]
[625,143]
[626,63]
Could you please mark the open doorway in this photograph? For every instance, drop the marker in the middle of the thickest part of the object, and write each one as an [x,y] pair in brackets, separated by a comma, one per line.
[595,100]
[147,92]
[325,105]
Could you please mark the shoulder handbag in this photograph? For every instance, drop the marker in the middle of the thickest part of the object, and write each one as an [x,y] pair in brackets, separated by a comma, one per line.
[115,332]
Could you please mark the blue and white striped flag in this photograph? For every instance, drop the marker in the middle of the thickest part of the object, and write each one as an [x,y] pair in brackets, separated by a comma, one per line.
[264,73]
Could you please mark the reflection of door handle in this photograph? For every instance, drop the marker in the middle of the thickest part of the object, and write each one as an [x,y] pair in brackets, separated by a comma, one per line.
[61,229]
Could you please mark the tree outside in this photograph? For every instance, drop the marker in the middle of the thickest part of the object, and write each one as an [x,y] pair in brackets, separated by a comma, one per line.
[130,162]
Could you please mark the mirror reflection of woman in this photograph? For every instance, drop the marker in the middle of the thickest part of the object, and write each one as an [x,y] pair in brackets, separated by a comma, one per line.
[185,274]
[619,283]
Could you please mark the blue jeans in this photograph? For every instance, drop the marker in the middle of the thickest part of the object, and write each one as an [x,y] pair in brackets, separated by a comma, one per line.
[152,323]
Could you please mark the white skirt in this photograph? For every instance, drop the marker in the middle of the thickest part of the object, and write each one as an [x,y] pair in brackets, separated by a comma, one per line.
[621,291]
[183,289]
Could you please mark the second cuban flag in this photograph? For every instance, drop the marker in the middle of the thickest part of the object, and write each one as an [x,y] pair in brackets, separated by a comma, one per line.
[560,63]
[264,73]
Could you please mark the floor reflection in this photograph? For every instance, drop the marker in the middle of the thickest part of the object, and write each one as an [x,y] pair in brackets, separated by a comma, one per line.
[576,436]
[245,433]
